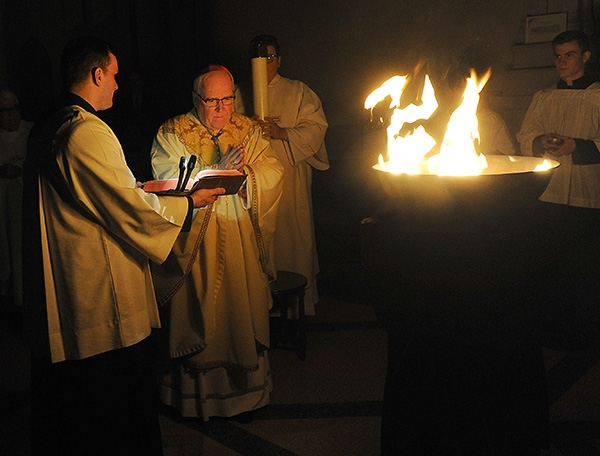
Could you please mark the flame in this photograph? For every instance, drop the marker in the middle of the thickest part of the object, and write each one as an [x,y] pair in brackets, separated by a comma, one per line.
[409,144]
[544,166]
[405,152]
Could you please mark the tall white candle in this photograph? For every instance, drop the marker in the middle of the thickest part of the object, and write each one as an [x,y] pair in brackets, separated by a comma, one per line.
[260,84]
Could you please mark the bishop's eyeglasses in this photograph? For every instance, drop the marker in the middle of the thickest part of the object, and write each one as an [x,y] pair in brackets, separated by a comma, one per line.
[214,102]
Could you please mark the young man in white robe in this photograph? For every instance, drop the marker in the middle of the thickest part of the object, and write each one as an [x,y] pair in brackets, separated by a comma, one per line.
[563,124]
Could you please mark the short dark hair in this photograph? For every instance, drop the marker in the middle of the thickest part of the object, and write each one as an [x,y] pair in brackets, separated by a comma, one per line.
[81,56]
[583,41]
[265,40]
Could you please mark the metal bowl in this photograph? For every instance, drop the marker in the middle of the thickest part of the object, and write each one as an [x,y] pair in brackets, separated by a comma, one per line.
[508,183]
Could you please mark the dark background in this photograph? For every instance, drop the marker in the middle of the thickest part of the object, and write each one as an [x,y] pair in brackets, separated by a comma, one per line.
[343,49]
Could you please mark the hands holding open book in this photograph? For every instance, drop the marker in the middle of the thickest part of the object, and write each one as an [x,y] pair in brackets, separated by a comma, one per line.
[201,197]
[209,183]
[205,196]
[232,159]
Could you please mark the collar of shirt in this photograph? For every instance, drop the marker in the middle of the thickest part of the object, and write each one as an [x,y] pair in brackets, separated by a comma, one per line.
[275,80]
[72,99]
[582,83]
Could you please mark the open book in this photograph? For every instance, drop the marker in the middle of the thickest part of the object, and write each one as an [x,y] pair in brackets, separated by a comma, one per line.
[230,179]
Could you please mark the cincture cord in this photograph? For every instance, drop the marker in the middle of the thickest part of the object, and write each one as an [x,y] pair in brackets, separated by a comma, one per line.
[166,297]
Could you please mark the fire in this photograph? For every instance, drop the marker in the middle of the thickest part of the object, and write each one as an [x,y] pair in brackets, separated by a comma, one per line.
[405,152]
[544,166]
[411,150]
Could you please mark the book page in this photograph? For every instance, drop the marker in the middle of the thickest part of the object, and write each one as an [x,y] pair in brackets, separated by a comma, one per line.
[230,180]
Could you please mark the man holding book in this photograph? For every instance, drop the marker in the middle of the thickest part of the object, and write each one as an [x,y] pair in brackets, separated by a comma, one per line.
[89,232]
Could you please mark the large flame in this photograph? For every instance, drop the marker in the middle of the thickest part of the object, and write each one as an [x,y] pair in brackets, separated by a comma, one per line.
[409,150]
[405,152]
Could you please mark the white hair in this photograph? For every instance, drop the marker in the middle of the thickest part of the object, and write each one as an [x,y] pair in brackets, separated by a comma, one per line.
[200,81]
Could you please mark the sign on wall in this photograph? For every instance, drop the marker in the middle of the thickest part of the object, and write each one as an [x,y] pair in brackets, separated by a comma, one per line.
[544,27]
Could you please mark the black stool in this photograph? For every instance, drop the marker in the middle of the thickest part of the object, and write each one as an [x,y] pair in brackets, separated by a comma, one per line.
[287,286]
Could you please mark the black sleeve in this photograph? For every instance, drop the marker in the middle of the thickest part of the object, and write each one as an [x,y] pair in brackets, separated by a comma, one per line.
[187,224]
[586,152]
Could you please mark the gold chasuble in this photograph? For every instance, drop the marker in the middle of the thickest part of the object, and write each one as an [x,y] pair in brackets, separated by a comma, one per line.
[218,321]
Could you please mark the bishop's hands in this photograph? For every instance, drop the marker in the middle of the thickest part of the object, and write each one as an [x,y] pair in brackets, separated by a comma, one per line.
[234,158]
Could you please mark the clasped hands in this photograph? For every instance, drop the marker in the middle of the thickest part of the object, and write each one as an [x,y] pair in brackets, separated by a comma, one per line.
[234,158]
[557,145]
